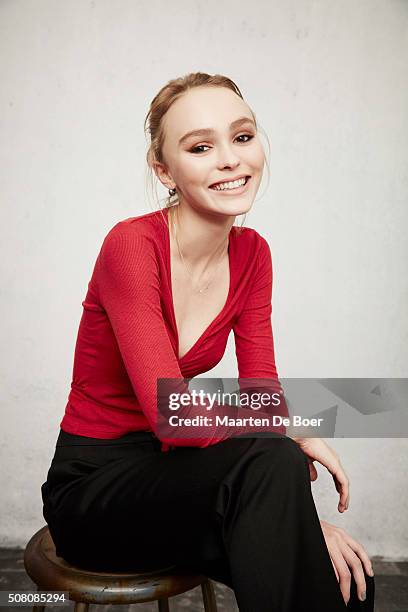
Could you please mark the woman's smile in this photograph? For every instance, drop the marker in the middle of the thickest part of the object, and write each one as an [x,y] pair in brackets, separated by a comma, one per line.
[231,188]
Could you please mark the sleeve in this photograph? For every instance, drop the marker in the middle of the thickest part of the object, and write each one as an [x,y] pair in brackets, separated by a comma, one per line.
[254,344]
[128,280]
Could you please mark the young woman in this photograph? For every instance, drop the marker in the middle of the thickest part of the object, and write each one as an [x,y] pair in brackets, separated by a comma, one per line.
[166,290]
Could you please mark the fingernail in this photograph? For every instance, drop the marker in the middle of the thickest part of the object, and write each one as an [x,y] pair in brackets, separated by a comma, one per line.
[371,572]
[363,596]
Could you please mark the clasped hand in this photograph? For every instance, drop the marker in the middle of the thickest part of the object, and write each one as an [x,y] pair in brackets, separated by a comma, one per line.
[347,555]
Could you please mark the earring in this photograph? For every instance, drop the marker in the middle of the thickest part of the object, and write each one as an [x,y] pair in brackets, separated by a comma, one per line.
[172,192]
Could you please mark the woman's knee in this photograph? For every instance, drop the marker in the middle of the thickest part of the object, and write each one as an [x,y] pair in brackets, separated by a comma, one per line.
[281,454]
[267,472]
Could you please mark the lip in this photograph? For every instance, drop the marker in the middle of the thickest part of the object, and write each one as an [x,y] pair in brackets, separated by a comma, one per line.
[229,180]
[232,192]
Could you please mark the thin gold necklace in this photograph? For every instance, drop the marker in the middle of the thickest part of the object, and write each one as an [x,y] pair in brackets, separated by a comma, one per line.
[185,263]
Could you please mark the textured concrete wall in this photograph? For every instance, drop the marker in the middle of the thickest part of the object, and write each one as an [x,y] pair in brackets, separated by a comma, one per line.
[328,82]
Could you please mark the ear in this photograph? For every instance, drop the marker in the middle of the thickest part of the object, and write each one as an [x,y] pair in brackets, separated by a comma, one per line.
[163,175]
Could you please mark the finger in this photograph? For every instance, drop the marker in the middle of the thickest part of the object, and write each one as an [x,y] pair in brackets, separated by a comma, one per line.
[343,572]
[313,472]
[335,570]
[360,551]
[341,481]
[357,571]
[342,485]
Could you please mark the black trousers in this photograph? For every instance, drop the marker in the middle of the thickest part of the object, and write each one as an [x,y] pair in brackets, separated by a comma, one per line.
[241,512]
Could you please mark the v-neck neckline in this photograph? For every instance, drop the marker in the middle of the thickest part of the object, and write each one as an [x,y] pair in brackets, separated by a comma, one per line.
[170,284]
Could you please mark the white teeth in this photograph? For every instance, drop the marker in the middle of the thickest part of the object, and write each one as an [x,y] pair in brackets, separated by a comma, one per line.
[230,185]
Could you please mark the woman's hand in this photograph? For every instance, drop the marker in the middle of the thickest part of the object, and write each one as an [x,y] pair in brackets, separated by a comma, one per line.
[317,450]
[346,554]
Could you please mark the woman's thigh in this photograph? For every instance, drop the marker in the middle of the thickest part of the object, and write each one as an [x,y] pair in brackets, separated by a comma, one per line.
[130,506]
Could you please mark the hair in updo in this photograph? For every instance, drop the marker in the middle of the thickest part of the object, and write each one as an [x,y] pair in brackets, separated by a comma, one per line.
[153,124]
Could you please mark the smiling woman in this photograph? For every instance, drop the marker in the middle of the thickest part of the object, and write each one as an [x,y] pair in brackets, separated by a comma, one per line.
[214,157]
[167,289]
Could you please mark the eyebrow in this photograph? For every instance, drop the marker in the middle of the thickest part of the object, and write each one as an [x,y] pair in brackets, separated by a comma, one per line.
[210,131]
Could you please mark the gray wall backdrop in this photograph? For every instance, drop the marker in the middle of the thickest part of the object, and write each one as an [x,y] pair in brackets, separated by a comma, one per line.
[328,82]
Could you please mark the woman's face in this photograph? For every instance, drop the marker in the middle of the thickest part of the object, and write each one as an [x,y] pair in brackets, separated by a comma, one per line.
[229,149]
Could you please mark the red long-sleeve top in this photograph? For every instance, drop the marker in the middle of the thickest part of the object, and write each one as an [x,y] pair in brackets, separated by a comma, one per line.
[127,336]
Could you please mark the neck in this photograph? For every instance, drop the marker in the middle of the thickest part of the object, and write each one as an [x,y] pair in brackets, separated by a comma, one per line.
[201,236]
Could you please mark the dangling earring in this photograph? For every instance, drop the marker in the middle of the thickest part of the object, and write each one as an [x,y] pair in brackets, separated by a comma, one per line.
[172,192]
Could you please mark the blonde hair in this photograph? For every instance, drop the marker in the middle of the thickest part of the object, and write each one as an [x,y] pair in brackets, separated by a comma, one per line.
[153,124]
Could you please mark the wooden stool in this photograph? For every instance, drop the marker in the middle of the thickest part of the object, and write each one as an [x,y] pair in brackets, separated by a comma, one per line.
[52,573]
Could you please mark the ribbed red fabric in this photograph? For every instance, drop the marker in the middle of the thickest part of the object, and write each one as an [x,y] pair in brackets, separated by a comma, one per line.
[127,336]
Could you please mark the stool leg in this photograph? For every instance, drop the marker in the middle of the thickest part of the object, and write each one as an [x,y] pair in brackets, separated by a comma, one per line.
[164,605]
[80,606]
[210,603]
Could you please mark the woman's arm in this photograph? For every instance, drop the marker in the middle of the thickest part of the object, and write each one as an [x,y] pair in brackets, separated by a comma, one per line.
[254,345]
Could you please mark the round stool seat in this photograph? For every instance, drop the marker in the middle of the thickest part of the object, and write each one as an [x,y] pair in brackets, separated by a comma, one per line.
[52,573]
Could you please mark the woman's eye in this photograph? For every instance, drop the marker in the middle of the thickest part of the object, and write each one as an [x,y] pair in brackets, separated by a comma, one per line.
[194,149]
[248,136]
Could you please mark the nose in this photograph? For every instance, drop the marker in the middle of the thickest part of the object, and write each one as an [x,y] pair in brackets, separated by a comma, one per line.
[227,158]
